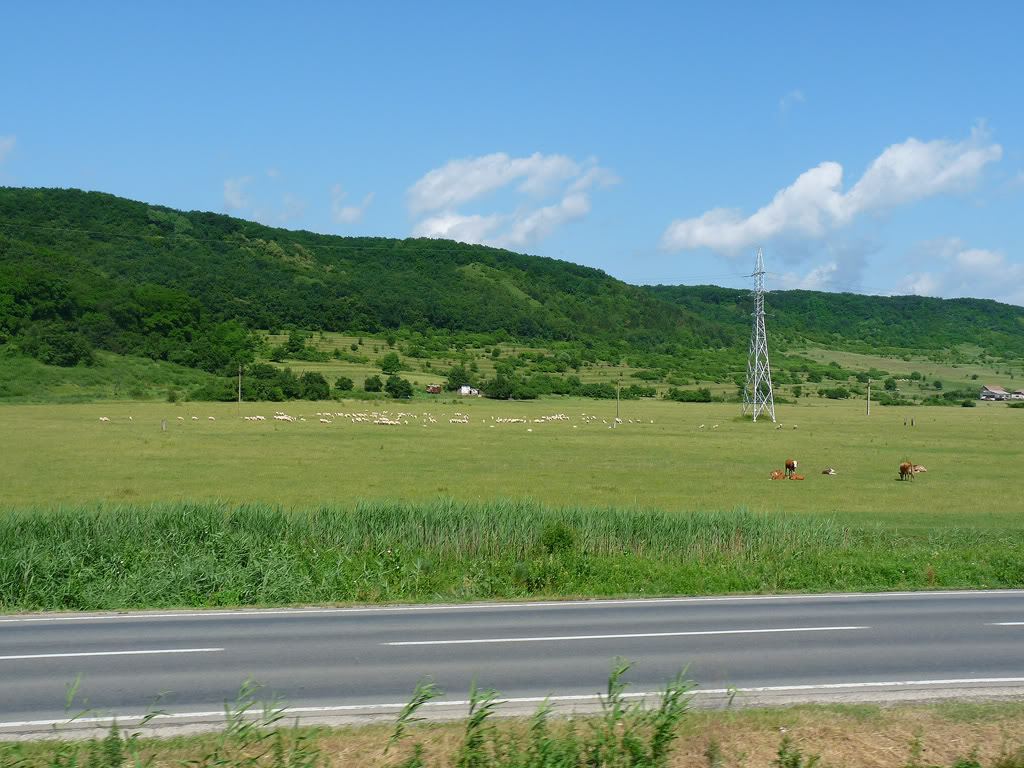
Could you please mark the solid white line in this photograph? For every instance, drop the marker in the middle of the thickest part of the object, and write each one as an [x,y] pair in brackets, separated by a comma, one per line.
[342,708]
[109,653]
[1006,624]
[617,637]
[301,612]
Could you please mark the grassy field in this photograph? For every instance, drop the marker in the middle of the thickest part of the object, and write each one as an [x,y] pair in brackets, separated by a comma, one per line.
[65,455]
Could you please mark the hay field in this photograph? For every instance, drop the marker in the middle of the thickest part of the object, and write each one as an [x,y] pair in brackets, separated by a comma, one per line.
[66,455]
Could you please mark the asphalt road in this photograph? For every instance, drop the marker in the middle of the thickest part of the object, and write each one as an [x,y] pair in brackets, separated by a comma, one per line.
[323,661]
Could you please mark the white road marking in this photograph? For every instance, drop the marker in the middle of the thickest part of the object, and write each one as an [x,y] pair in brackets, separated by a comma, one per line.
[301,612]
[342,708]
[109,653]
[617,637]
[1006,624]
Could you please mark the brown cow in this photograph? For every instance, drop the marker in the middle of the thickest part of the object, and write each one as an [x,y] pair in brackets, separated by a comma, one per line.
[919,468]
[778,474]
[906,470]
[828,471]
[790,466]
[795,476]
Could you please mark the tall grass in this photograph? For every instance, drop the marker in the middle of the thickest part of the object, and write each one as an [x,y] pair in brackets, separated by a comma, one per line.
[104,557]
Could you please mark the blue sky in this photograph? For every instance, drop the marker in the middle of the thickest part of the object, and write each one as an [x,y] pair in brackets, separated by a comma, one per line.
[873,147]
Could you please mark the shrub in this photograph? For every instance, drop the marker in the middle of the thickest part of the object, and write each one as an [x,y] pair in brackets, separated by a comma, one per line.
[344,384]
[390,363]
[314,386]
[398,387]
[702,395]
[968,403]
[373,384]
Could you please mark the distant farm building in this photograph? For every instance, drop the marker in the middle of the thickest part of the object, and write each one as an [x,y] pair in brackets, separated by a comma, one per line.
[466,391]
[994,393]
[434,389]
[1018,394]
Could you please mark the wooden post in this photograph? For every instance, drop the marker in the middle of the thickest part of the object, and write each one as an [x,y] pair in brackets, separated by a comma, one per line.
[869,397]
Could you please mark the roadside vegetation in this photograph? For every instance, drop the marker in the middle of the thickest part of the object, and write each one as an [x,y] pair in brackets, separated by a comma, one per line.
[627,733]
[206,555]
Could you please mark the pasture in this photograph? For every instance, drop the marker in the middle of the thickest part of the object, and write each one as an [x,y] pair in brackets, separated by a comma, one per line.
[64,455]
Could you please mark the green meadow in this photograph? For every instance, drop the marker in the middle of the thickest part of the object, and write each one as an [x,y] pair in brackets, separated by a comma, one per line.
[61,455]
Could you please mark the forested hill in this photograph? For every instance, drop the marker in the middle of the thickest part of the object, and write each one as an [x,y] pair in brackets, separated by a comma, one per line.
[89,270]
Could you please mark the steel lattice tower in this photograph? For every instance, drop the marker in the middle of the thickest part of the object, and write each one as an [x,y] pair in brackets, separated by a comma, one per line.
[757,391]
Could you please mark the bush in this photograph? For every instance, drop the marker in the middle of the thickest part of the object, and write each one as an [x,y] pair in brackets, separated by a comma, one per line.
[702,395]
[373,384]
[344,384]
[390,363]
[835,393]
[314,386]
[968,403]
[398,387]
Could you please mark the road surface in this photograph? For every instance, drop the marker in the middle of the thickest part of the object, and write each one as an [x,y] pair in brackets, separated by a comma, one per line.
[349,662]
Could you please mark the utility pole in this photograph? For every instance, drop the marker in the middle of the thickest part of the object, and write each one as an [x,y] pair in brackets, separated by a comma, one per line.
[869,397]
[757,391]
[238,410]
[618,383]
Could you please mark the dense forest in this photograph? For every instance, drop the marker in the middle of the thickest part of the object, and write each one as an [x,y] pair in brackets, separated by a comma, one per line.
[81,271]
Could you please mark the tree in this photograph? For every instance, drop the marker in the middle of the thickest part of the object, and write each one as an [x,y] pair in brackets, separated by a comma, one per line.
[344,384]
[296,341]
[390,363]
[398,387]
[797,391]
[938,384]
[458,376]
[314,386]
[390,338]
[373,384]
[890,384]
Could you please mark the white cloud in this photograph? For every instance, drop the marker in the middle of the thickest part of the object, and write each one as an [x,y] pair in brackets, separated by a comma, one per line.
[459,182]
[793,97]
[291,208]
[960,271]
[233,188]
[347,214]
[6,146]
[815,203]
[454,226]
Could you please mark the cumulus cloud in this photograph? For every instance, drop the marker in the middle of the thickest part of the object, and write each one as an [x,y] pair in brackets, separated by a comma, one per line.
[6,146]
[816,204]
[963,271]
[791,98]
[233,193]
[347,214]
[536,178]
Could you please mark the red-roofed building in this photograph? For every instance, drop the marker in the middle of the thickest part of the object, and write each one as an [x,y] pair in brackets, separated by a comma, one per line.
[994,393]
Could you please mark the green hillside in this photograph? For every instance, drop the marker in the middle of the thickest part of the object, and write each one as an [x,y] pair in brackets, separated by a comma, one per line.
[82,272]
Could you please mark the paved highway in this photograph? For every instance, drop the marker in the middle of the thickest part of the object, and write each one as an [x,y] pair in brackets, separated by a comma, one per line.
[357,660]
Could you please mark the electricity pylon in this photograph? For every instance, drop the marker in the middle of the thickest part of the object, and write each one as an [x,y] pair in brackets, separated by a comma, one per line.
[757,391]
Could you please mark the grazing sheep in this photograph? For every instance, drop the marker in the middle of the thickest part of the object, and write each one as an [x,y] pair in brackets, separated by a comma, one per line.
[195,418]
[211,418]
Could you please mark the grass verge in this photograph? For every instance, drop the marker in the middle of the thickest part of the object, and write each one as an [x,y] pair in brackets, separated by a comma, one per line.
[259,734]
[210,554]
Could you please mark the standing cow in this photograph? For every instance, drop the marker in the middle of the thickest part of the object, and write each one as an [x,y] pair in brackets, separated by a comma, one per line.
[906,471]
[790,467]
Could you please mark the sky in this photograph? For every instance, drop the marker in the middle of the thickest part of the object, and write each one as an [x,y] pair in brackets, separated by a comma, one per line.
[872,147]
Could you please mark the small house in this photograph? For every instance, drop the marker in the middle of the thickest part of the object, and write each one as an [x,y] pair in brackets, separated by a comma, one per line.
[1018,394]
[434,389]
[994,393]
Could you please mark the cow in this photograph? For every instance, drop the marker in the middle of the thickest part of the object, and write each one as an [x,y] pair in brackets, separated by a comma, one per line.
[906,470]
[828,471]
[790,467]
[795,476]
[919,468]
[778,474]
